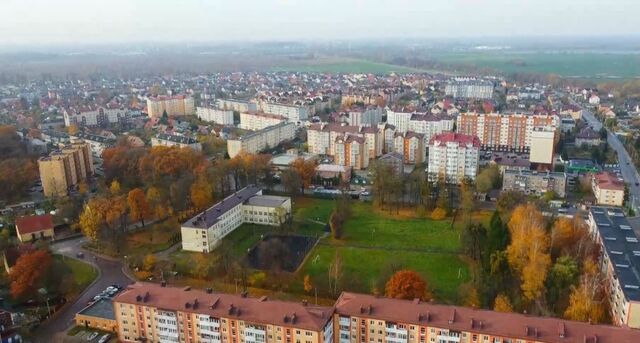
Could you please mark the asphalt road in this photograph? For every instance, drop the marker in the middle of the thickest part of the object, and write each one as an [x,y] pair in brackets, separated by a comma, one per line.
[627,168]
[111,273]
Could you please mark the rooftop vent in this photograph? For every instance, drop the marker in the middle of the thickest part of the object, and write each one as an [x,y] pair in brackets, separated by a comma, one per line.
[187,288]
[209,290]
[452,318]
[244,294]
[263,298]
[561,330]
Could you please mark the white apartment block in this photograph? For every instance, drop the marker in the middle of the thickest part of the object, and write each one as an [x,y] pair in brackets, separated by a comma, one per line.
[236,105]
[620,262]
[430,125]
[258,141]
[322,138]
[505,132]
[542,143]
[177,105]
[607,189]
[214,115]
[370,116]
[469,88]
[93,116]
[293,113]
[258,121]
[203,232]
[453,157]
[163,139]
[400,120]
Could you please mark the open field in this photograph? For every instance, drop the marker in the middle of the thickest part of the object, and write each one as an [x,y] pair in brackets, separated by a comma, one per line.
[584,65]
[343,65]
[83,273]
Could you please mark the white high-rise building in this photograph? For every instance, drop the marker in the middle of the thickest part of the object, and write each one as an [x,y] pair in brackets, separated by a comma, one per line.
[218,116]
[453,157]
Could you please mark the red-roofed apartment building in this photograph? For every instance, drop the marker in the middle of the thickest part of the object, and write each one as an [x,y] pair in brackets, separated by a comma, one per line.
[608,189]
[453,157]
[30,228]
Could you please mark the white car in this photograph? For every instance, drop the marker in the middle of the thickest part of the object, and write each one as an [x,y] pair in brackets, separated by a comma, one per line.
[105,338]
[92,336]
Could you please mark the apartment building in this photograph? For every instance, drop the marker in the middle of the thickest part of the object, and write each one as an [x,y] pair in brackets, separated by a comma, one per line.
[96,116]
[65,168]
[237,105]
[505,131]
[255,142]
[363,318]
[322,138]
[453,157]
[215,115]
[620,261]
[257,121]
[165,139]
[386,134]
[351,151]
[176,105]
[400,120]
[203,232]
[534,183]
[370,116]
[159,313]
[608,189]
[543,141]
[469,88]
[411,146]
[293,113]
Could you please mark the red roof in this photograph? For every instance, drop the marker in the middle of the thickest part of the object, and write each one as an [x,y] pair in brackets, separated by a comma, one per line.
[608,180]
[31,224]
[459,138]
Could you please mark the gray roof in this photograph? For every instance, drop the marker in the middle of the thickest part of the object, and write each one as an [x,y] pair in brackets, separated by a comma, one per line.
[102,308]
[266,200]
[211,215]
[622,246]
[176,139]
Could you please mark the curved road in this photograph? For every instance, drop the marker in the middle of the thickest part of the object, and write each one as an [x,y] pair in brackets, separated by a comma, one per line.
[110,273]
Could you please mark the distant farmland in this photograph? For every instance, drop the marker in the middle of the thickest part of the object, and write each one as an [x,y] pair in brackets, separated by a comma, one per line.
[584,65]
[346,65]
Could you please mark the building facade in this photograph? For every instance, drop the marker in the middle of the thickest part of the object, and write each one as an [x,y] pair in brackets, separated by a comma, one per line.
[411,146]
[258,121]
[255,142]
[293,113]
[509,132]
[214,115]
[534,183]
[92,116]
[65,168]
[163,139]
[453,157]
[329,139]
[236,105]
[176,105]
[203,232]
[31,228]
[608,189]
[469,88]
[543,141]
[157,313]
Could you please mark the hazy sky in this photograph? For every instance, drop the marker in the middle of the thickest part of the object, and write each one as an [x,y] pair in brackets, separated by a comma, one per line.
[102,21]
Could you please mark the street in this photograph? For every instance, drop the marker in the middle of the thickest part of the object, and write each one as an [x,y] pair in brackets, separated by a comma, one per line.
[627,168]
[110,273]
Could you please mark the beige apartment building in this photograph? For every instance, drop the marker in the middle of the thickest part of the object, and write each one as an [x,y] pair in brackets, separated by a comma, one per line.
[159,313]
[608,189]
[257,141]
[543,141]
[258,121]
[351,151]
[177,105]
[65,168]
[453,157]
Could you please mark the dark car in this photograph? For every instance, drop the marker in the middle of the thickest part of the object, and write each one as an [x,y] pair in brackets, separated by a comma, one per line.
[80,254]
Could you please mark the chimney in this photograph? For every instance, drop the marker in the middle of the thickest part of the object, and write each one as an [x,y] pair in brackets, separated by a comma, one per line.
[304,302]
[263,298]
[187,288]
[244,294]
[481,324]
[163,284]
[561,330]
[471,323]
[138,298]
[526,330]
[452,319]
[209,290]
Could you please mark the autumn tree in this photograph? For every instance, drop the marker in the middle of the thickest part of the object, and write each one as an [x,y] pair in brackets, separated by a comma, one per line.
[28,272]
[467,201]
[291,181]
[115,188]
[308,284]
[335,273]
[570,236]
[138,206]
[563,275]
[407,284]
[509,200]
[306,169]
[473,239]
[488,178]
[201,193]
[587,302]
[149,262]
[502,304]
[528,253]
[439,214]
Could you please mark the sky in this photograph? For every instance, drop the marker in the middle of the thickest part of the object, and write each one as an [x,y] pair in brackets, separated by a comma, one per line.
[25,22]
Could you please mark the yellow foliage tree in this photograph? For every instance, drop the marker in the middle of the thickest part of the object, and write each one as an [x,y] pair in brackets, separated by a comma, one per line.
[114,188]
[149,262]
[308,284]
[502,304]
[587,301]
[439,214]
[201,193]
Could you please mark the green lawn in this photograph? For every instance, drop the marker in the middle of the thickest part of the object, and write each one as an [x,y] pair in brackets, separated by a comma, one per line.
[344,65]
[83,273]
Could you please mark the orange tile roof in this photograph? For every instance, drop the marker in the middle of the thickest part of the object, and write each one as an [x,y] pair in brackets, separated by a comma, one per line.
[32,224]
[608,180]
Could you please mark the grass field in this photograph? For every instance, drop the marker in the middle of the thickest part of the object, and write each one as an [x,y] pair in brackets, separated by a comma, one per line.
[83,273]
[343,65]
[585,65]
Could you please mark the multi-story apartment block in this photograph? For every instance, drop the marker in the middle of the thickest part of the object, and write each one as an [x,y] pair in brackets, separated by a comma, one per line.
[322,138]
[386,134]
[400,120]
[505,131]
[65,168]
[469,88]
[542,144]
[453,157]
[257,141]
[608,189]
[293,113]
[620,261]
[363,318]
[176,105]
[92,115]
[370,116]
[430,125]
[411,146]
[215,115]
[159,313]
[164,139]
[203,232]
[96,143]
[237,105]
[351,151]
[533,182]
[258,121]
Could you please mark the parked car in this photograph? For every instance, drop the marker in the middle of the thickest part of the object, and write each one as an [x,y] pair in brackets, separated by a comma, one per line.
[104,338]
[92,336]
[80,254]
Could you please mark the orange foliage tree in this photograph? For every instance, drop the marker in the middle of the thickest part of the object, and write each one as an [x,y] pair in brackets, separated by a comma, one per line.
[138,206]
[588,301]
[306,169]
[407,284]
[28,272]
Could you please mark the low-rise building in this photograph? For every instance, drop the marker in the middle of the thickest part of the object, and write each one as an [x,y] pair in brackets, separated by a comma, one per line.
[258,120]
[394,160]
[588,137]
[453,157]
[328,173]
[164,139]
[203,232]
[534,183]
[582,166]
[100,116]
[215,115]
[97,143]
[31,228]
[255,142]
[159,313]
[98,315]
[607,189]
[620,262]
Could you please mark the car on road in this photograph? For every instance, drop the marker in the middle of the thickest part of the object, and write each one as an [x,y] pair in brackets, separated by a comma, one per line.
[92,336]
[637,183]
[104,338]
[80,254]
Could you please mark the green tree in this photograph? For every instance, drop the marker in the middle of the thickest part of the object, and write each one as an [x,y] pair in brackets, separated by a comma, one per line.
[563,275]
[473,238]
